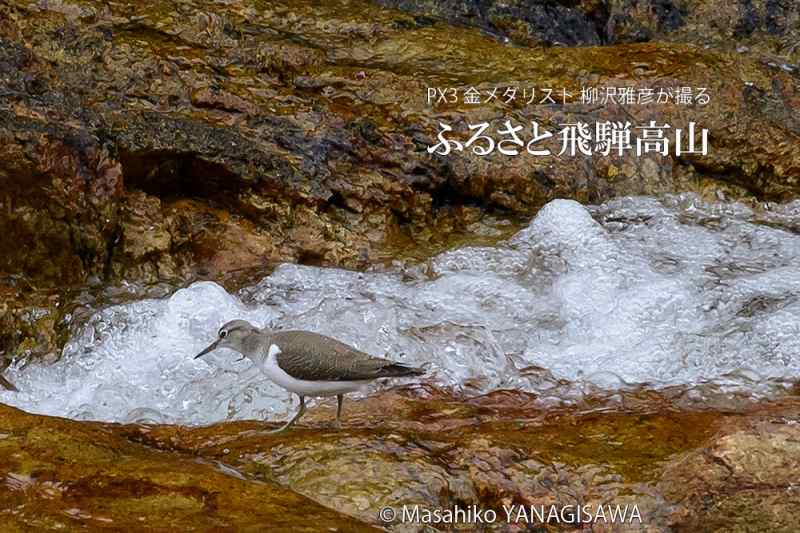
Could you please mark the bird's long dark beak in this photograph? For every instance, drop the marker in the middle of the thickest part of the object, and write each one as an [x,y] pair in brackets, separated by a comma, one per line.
[211,348]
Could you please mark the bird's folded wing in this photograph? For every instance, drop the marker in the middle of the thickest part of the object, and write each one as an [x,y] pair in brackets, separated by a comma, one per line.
[314,357]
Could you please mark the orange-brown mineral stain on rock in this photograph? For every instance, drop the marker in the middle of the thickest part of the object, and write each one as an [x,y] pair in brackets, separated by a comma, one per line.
[60,474]
[422,446]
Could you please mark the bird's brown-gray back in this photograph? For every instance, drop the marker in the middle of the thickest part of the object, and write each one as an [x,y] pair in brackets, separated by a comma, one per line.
[315,357]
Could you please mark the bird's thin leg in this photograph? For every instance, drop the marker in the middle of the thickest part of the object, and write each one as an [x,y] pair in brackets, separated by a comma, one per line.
[339,401]
[294,419]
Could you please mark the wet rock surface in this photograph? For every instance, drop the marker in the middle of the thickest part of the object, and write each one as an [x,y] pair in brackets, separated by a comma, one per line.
[769,27]
[298,131]
[685,469]
[61,475]
[149,142]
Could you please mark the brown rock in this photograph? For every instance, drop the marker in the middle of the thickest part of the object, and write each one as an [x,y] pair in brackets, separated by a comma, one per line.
[681,468]
[214,98]
[745,477]
[427,449]
[60,474]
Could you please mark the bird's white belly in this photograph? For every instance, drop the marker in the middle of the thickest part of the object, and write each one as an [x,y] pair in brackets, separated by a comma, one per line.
[305,387]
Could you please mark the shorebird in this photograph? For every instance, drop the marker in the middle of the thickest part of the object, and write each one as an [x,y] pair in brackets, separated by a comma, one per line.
[307,363]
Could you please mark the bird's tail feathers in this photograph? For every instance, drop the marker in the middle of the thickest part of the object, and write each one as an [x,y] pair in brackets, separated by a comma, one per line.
[399,370]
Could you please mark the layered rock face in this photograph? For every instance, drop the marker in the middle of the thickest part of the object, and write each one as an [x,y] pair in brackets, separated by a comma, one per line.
[142,142]
[770,26]
[147,141]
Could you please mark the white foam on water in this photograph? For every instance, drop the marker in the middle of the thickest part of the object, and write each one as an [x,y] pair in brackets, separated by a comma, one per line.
[636,291]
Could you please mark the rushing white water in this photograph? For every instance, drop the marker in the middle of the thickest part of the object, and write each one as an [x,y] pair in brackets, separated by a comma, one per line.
[637,291]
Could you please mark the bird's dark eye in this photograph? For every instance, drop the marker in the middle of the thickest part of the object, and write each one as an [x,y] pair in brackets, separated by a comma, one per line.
[222,333]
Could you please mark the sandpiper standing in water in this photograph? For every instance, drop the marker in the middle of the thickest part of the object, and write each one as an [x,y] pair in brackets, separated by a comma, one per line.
[307,363]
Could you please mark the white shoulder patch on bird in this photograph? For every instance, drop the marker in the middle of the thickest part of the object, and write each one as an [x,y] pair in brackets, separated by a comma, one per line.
[274,350]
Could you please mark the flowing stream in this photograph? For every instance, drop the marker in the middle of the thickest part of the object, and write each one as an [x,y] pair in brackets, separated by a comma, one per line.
[647,291]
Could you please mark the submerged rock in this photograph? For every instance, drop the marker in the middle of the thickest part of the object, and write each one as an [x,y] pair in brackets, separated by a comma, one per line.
[427,449]
[415,447]
[58,474]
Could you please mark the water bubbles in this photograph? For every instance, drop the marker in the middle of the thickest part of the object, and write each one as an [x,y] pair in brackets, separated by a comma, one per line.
[145,415]
[638,292]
